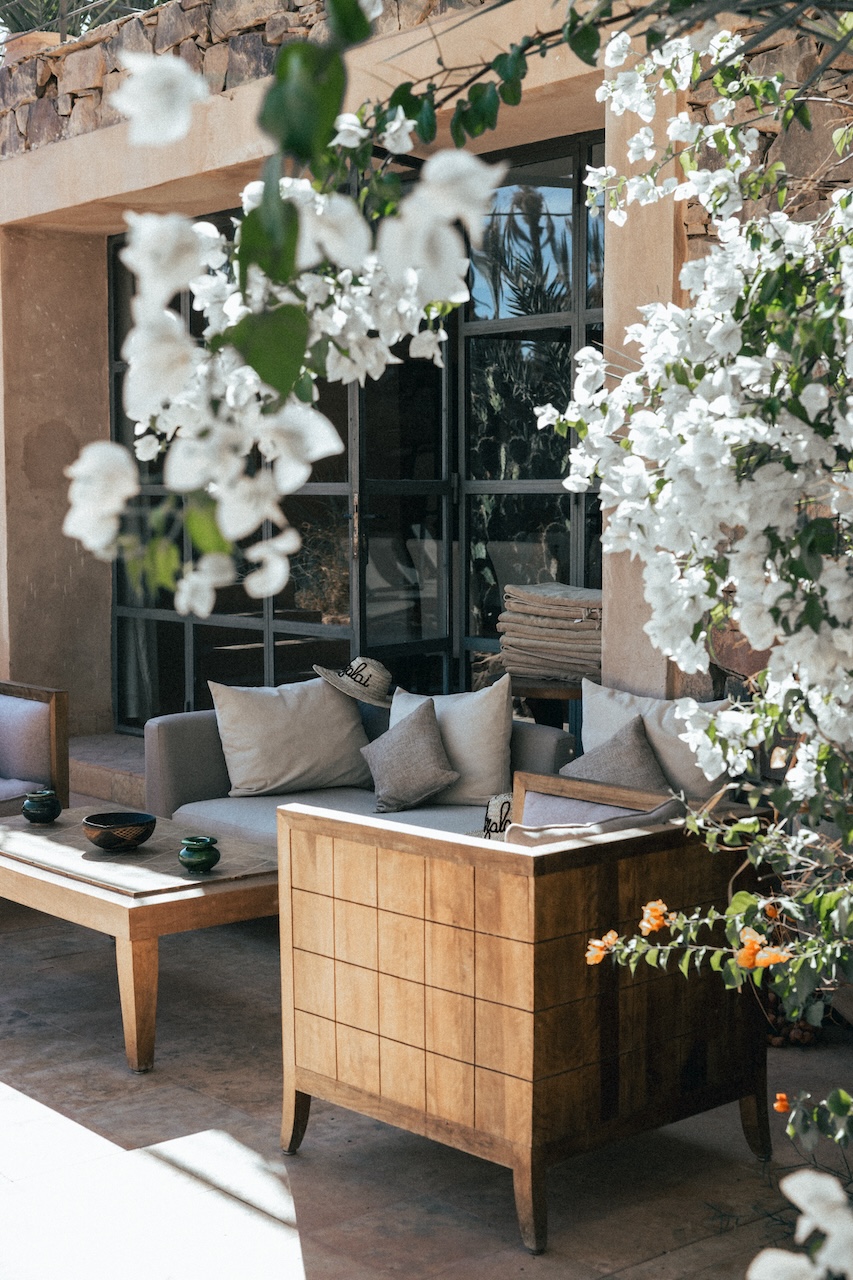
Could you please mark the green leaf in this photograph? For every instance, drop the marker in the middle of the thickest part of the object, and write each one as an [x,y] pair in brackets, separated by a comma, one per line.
[741,903]
[484,107]
[200,522]
[425,122]
[268,239]
[300,109]
[684,964]
[304,389]
[348,22]
[162,563]
[583,41]
[510,92]
[839,1102]
[273,343]
[457,124]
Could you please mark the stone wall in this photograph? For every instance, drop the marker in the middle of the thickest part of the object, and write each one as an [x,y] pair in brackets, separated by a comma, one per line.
[813,167]
[65,90]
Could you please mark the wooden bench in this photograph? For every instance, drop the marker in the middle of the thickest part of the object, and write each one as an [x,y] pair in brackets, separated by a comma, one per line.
[438,983]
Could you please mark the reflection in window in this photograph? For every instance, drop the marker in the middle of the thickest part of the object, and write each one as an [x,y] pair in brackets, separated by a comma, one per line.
[319,586]
[149,669]
[404,576]
[524,267]
[507,377]
[403,421]
[595,222]
[514,539]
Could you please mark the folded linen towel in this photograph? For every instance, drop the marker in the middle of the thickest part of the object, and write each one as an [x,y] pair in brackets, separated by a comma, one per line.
[554,594]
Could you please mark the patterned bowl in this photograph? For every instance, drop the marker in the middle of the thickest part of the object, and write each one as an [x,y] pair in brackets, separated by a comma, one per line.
[118,832]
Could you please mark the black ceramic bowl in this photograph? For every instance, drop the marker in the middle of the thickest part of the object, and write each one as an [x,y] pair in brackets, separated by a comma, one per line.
[118,832]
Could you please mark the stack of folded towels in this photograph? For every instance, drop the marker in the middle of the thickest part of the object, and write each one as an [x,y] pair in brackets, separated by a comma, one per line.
[551,632]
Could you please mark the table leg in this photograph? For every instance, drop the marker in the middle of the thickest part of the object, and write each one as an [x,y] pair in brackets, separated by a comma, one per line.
[137,964]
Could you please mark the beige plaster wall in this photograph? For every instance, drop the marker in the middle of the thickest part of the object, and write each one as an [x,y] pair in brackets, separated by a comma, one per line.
[643,259]
[56,603]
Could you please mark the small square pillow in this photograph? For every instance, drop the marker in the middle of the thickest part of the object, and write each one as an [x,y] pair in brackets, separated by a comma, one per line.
[498,816]
[625,760]
[409,763]
[475,730]
[291,738]
[607,710]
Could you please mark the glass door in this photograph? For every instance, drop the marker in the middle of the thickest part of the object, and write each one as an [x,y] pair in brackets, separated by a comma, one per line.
[536,299]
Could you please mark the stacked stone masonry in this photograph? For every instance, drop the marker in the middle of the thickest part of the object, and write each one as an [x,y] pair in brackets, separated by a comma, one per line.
[809,157]
[65,90]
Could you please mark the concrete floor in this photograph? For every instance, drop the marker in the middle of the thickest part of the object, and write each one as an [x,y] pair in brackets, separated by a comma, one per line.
[686,1201]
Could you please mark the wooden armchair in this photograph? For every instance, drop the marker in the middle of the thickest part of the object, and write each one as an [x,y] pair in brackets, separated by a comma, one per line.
[33,743]
[438,983]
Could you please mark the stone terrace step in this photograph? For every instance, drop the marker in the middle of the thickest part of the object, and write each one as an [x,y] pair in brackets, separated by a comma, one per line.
[110,766]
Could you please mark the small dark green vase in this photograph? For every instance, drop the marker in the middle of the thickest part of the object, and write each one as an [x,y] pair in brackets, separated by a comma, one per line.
[199,854]
[41,806]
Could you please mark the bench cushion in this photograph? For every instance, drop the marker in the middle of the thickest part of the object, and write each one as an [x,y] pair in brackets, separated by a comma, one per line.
[254,817]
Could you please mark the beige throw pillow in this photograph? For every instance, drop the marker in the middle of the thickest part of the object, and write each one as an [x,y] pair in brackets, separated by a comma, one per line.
[625,760]
[475,730]
[605,711]
[409,763]
[291,738]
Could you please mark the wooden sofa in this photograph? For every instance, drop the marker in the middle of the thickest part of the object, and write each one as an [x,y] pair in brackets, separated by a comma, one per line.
[438,982]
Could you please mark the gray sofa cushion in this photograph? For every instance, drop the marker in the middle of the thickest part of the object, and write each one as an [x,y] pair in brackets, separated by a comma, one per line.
[253,818]
[409,763]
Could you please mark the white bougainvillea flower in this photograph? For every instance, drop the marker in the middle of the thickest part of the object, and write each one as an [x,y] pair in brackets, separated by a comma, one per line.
[164,251]
[427,345]
[350,131]
[161,358]
[294,438]
[103,478]
[460,186]
[333,229]
[195,592]
[372,9]
[397,134]
[426,244]
[617,49]
[158,98]
[642,146]
[274,572]
[244,505]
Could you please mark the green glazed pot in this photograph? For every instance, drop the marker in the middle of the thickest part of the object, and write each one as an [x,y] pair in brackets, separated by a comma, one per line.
[199,854]
[41,806]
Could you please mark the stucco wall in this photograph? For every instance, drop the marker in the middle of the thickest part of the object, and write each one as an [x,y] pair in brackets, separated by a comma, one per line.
[54,399]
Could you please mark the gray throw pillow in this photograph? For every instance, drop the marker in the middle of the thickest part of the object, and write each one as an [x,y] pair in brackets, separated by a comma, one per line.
[409,763]
[625,760]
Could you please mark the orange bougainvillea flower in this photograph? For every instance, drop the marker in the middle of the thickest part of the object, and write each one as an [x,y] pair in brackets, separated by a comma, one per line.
[752,944]
[771,955]
[598,948]
[654,917]
[782,1105]
[771,911]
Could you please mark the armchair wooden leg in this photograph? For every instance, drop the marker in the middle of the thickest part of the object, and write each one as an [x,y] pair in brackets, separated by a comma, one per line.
[294,1120]
[528,1181]
[755,1121]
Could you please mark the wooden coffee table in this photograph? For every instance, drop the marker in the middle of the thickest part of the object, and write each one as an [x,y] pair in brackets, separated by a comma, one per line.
[135,897]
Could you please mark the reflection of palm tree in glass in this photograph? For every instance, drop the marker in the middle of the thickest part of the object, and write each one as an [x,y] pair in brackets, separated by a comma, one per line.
[526,256]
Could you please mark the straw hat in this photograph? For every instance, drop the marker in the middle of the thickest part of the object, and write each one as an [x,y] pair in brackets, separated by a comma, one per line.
[364,678]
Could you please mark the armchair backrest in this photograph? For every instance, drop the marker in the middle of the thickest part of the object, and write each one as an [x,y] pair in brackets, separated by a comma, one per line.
[34,736]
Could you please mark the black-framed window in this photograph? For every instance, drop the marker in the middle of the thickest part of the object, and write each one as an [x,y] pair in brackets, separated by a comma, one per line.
[446,490]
